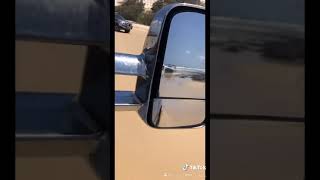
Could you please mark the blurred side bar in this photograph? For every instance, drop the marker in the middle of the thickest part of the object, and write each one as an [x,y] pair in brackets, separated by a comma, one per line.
[83,22]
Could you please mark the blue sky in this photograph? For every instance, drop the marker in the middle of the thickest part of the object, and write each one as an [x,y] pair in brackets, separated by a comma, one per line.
[186,41]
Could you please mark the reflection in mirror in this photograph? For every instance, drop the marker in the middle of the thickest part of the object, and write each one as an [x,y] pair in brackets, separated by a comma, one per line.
[183,74]
[181,96]
[177,112]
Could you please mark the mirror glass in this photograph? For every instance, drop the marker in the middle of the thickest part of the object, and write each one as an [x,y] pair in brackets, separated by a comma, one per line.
[178,112]
[183,74]
[181,96]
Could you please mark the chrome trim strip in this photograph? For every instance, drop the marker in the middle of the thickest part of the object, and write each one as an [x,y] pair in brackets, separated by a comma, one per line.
[126,101]
[127,64]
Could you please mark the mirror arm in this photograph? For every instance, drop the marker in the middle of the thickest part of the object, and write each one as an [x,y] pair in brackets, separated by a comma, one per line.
[132,65]
[126,101]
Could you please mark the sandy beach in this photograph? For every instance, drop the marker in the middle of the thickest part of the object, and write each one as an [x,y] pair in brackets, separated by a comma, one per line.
[142,152]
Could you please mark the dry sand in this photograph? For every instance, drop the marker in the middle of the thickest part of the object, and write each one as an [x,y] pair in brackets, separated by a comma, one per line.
[142,152]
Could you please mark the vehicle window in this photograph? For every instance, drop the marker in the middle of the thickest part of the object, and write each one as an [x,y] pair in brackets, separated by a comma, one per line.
[119,17]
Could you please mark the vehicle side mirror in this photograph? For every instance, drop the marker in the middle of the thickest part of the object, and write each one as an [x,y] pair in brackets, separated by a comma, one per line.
[170,91]
[178,100]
